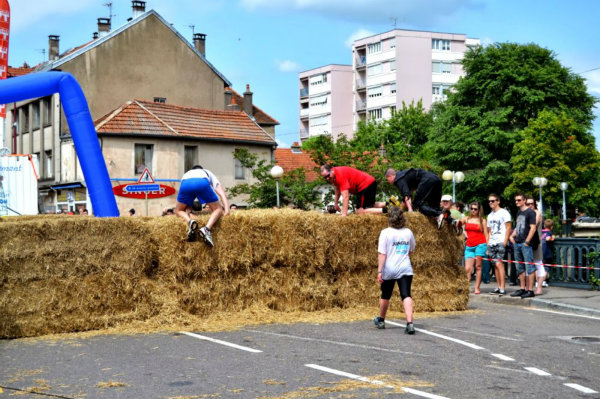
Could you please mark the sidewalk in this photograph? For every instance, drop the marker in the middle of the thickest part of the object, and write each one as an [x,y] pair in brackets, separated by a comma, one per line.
[570,300]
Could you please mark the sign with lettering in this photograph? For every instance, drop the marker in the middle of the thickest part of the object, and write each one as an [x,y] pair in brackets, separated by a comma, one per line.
[140,190]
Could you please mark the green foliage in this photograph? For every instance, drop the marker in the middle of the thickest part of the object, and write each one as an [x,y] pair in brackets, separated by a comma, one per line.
[293,188]
[550,147]
[504,87]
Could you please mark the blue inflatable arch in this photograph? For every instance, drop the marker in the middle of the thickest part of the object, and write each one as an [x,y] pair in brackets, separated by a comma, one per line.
[81,126]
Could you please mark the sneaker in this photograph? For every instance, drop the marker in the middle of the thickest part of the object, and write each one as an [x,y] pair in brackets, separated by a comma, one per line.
[544,284]
[379,323]
[440,221]
[501,293]
[527,294]
[518,292]
[410,329]
[205,234]
[496,291]
[393,201]
[191,231]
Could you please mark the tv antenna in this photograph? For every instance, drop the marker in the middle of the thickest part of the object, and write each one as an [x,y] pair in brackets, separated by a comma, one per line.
[43,51]
[192,28]
[110,14]
[394,21]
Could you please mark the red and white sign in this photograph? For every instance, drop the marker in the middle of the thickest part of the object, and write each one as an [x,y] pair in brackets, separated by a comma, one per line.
[163,191]
[146,177]
[4,31]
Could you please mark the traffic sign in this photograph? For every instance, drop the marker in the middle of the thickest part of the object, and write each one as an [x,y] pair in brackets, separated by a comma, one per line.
[146,177]
[140,188]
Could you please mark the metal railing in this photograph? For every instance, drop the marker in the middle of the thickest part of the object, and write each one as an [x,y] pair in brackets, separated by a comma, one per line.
[304,92]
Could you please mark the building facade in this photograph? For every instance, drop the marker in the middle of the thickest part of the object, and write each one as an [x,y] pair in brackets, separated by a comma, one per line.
[326,101]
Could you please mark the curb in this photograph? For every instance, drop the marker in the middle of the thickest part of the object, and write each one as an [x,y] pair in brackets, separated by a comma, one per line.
[534,302]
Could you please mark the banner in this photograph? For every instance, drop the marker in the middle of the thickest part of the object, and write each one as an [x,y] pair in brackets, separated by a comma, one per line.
[4,29]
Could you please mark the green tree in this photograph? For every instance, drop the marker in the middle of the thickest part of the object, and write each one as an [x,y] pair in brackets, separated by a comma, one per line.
[504,87]
[293,188]
[550,147]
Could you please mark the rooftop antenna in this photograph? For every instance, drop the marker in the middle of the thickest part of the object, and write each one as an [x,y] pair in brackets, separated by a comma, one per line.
[192,28]
[43,51]
[110,14]
[394,21]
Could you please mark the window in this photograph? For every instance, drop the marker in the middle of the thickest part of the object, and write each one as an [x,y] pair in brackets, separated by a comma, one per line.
[374,69]
[439,44]
[393,88]
[374,48]
[373,92]
[375,113]
[46,111]
[318,101]
[143,158]
[441,67]
[24,118]
[49,169]
[36,115]
[318,79]
[393,65]
[393,43]
[392,110]
[160,100]
[189,157]
[240,172]
[436,90]
[319,121]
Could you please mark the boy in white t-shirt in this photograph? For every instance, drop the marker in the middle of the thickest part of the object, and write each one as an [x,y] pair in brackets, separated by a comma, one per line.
[499,226]
[396,243]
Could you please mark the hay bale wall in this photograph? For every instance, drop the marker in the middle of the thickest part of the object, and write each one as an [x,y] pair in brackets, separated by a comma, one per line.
[67,273]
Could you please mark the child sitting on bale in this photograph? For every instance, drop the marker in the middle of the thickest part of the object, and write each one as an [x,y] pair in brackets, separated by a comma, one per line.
[396,243]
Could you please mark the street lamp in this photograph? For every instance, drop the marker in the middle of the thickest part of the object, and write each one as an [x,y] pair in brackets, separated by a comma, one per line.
[540,182]
[276,173]
[456,177]
[563,187]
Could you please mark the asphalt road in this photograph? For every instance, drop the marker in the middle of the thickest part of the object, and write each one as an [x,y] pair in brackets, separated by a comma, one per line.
[497,351]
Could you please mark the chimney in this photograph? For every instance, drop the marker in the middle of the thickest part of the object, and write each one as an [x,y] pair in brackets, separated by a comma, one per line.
[296,148]
[248,102]
[200,43]
[228,96]
[233,105]
[53,47]
[95,35]
[139,7]
[103,26]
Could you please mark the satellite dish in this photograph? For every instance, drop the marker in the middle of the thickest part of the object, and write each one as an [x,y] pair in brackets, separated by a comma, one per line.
[4,151]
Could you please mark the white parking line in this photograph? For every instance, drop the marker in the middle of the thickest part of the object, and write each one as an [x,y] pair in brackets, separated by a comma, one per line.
[537,371]
[375,382]
[328,341]
[218,341]
[581,388]
[503,357]
[458,341]
[563,313]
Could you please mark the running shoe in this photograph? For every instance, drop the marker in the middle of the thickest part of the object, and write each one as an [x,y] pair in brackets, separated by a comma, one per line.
[379,323]
[410,329]
[518,293]
[440,221]
[204,232]
[527,294]
[496,291]
[191,230]
[457,224]
[544,284]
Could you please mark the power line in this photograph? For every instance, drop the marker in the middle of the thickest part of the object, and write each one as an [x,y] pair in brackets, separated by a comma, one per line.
[589,70]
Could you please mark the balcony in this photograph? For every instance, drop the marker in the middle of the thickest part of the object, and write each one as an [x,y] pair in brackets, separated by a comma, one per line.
[360,84]
[304,113]
[304,92]
[304,134]
[360,62]
[361,106]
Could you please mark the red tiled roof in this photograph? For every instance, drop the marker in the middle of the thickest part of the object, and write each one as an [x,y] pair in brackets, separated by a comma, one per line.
[14,72]
[150,118]
[290,160]
[260,116]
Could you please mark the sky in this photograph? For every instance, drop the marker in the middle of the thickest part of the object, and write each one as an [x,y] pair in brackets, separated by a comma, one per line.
[266,43]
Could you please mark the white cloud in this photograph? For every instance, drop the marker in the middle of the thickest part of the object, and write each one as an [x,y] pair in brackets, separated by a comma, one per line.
[406,12]
[593,82]
[359,34]
[287,66]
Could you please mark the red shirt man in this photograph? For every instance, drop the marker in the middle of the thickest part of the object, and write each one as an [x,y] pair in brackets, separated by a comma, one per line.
[346,181]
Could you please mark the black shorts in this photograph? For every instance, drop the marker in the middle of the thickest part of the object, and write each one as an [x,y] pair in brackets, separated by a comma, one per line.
[404,283]
[366,197]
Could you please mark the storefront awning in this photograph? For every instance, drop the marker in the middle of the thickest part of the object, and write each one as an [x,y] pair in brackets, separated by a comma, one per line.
[67,185]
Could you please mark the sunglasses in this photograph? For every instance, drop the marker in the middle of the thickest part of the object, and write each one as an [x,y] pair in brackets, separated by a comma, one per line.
[529,203]
[492,201]
[518,200]
[474,209]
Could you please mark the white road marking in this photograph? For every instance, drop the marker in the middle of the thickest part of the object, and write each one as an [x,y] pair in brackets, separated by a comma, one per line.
[580,388]
[458,341]
[537,371]
[503,357]
[218,341]
[563,313]
[478,333]
[375,382]
[328,341]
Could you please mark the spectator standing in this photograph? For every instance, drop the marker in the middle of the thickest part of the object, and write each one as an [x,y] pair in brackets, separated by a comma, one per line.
[346,181]
[396,243]
[521,239]
[547,248]
[499,226]
[477,236]
[536,246]
[202,184]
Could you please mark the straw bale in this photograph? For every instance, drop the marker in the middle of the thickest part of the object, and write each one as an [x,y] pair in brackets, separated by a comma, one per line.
[73,273]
